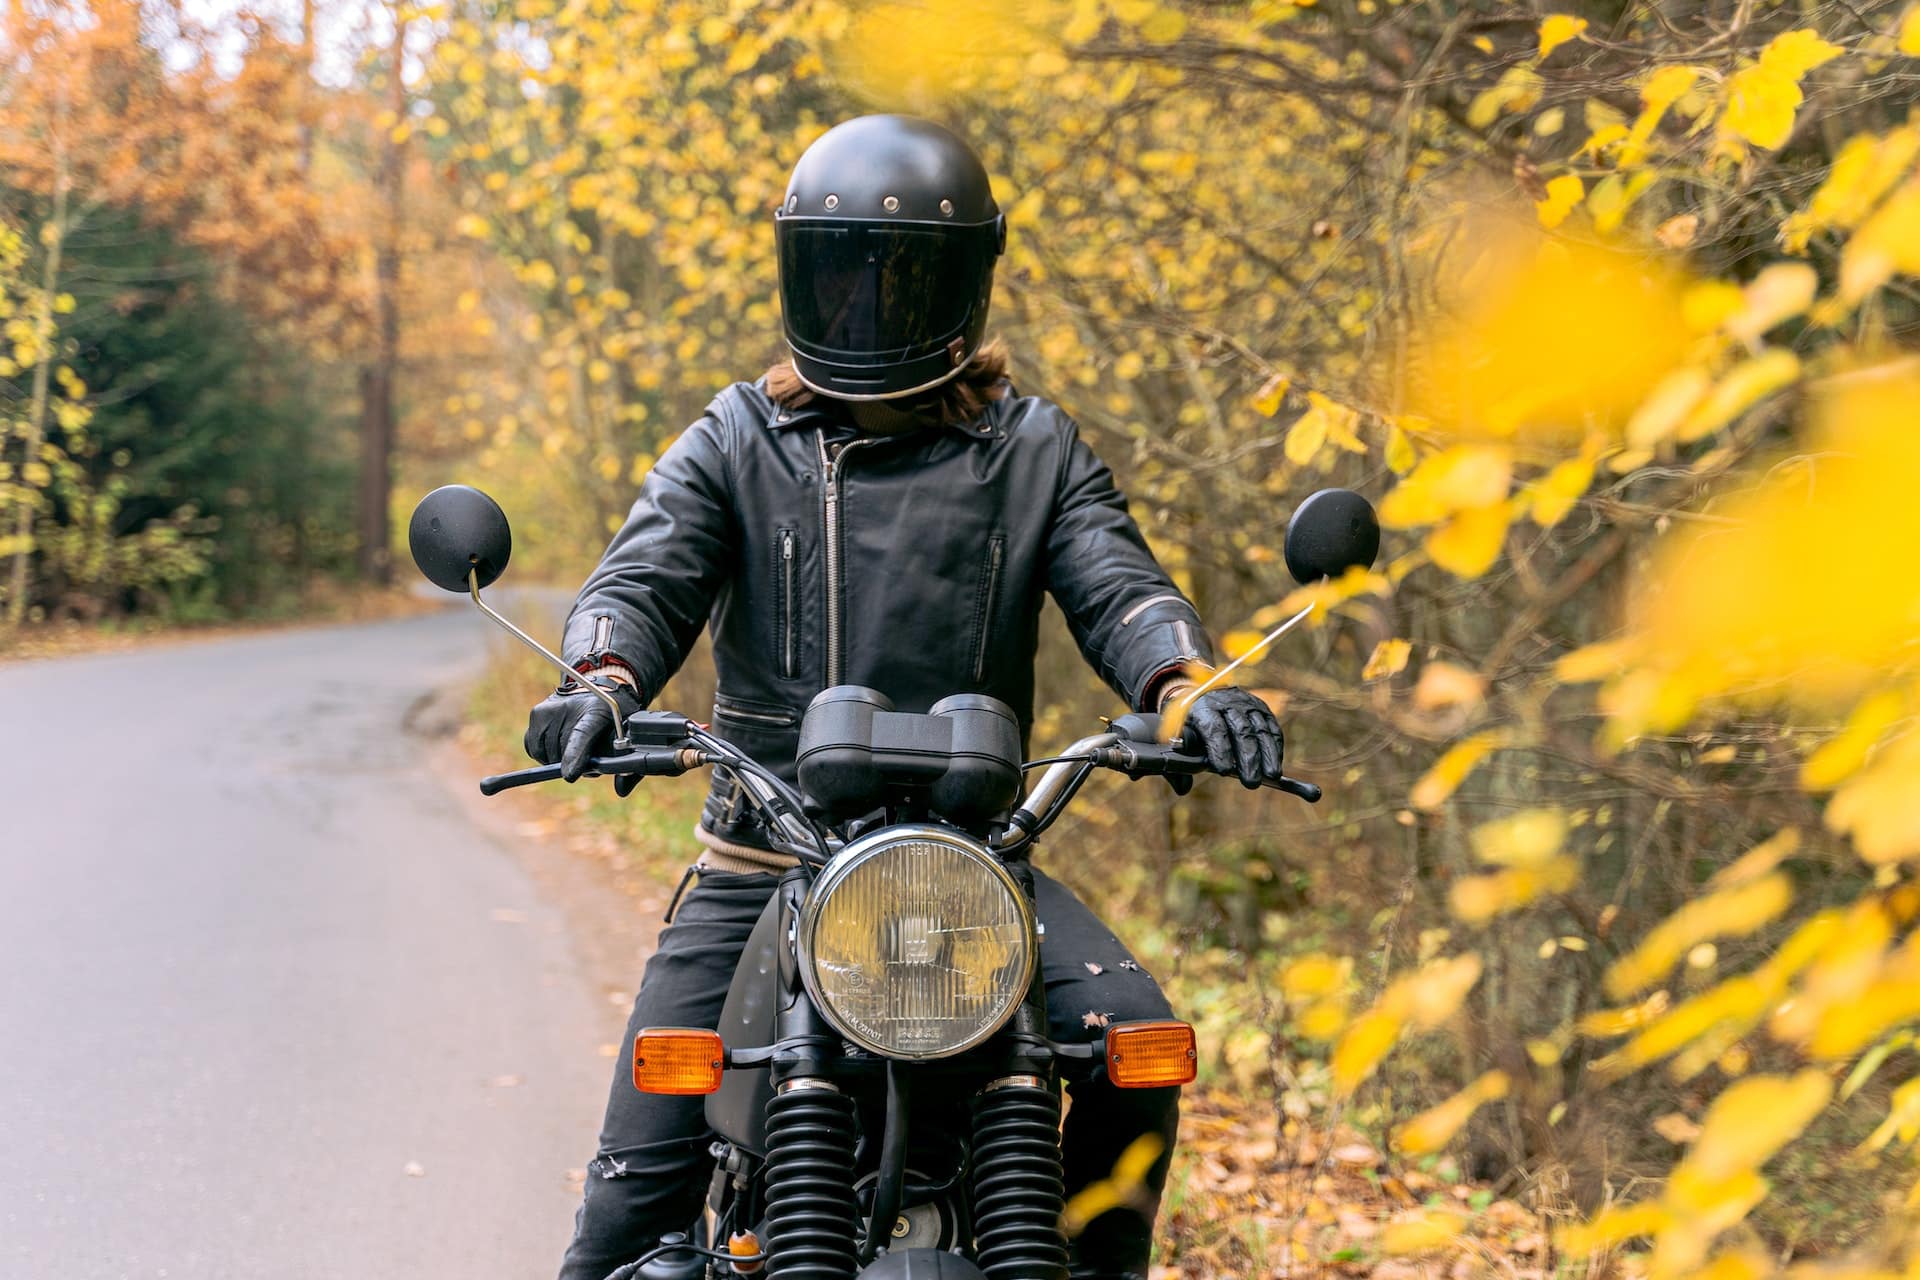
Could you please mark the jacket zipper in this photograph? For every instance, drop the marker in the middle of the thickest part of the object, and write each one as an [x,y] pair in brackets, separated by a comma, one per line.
[786,603]
[996,550]
[602,633]
[830,518]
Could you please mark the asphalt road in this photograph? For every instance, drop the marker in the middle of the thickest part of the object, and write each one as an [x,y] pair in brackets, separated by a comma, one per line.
[274,1000]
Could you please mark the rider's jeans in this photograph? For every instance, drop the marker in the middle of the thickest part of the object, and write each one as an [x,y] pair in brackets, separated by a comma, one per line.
[651,1170]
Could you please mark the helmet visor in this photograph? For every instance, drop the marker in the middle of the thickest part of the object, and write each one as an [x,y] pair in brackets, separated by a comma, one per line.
[861,292]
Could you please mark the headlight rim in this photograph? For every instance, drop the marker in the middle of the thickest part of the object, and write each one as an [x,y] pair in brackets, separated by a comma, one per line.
[858,852]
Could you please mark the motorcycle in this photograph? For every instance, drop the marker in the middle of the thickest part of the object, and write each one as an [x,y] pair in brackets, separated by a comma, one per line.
[883,1094]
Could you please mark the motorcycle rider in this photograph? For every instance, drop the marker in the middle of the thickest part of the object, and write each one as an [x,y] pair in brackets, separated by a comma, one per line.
[881,510]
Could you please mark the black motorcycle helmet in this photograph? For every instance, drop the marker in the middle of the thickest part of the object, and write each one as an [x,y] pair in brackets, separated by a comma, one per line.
[886,242]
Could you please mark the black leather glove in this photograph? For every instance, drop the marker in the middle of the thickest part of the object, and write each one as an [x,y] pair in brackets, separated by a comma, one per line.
[569,725]
[1239,734]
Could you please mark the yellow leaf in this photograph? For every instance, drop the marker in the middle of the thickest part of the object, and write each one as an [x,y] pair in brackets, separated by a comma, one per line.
[1761,103]
[1888,243]
[1451,769]
[1360,1049]
[1304,438]
[1433,993]
[1517,89]
[1237,644]
[62,303]
[1266,401]
[1711,303]
[1526,839]
[1400,455]
[1842,755]
[1478,899]
[1470,541]
[1732,912]
[1594,661]
[1909,41]
[1559,489]
[1745,385]
[1389,657]
[1614,1225]
[1661,414]
[1421,1231]
[1749,1121]
[1443,684]
[1667,86]
[1756,861]
[1434,1128]
[1795,53]
[1556,30]
[1312,976]
[1164,26]
[1876,806]
[1779,293]
[1903,1118]
[1129,366]
[1563,193]
[1460,477]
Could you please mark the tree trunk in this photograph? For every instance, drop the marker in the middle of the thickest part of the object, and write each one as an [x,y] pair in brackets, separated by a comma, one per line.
[42,372]
[377,381]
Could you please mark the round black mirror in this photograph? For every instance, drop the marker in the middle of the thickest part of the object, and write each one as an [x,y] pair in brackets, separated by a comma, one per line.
[455,530]
[1330,533]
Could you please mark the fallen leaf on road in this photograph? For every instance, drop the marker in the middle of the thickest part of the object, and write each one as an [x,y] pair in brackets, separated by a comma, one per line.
[414,1169]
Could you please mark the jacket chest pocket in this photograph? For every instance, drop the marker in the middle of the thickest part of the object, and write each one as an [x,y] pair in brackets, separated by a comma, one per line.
[786,618]
[987,603]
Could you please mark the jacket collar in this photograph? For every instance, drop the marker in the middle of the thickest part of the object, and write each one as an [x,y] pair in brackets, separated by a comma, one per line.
[821,412]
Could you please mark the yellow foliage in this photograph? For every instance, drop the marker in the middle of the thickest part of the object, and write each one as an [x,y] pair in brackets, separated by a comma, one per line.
[1748,1122]
[1388,658]
[1468,543]
[1731,912]
[1547,340]
[1313,976]
[1421,1231]
[1366,1041]
[1434,1128]
[1876,805]
[1451,769]
[1460,478]
[1887,244]
[1614,1225]
[1556,29]
[1842,755]
[1563,193]
[1445,684]
[1478,899]
[1762,98]
[1526,839]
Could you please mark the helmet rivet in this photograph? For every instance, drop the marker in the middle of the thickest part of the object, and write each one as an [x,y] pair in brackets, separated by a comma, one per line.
[890,204]
[946,207]
[832,202]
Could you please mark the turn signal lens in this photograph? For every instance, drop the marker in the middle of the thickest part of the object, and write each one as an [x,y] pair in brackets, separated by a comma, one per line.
[677,1060]
[1150,1055]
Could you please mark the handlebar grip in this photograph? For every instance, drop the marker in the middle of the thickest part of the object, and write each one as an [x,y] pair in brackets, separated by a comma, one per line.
[518,778]
[648,762]
[1307,791]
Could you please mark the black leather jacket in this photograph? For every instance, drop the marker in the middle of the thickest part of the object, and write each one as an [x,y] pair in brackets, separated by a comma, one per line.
[915,564]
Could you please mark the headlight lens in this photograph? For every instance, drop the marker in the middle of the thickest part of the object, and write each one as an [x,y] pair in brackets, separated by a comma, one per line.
[916,943]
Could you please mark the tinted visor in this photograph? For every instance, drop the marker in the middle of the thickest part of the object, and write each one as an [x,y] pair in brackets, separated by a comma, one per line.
[877,291]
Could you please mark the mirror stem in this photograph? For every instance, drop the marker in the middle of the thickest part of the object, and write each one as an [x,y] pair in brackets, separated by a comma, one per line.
[620,740]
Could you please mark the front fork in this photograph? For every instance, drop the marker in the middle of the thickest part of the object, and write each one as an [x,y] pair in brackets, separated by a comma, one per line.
[1015,1177]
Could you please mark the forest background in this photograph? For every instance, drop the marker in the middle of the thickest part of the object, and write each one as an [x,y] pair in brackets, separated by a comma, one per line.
[1610,306]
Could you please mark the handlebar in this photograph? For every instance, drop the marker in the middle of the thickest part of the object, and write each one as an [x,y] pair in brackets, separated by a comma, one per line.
[648,762]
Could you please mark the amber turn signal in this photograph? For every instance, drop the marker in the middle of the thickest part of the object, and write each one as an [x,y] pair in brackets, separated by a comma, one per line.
[677,1060]
[1150,1055]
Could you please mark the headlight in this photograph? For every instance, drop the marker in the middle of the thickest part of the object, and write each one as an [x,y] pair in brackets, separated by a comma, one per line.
[916,943]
